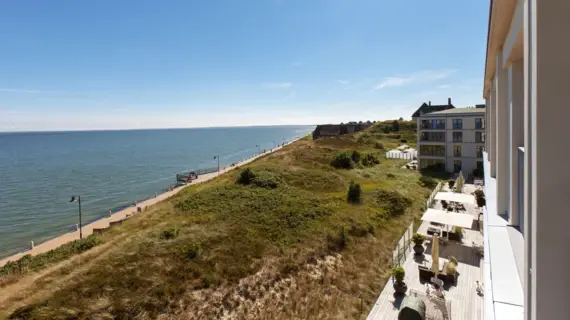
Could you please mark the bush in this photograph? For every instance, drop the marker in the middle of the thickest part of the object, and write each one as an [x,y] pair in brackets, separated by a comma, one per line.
[480,198]
[370,160]
[399,274]
[343,160]
[267,180]
[170,233]
[378,145]
[428,182]
[392,202]
[395,125]
[246,176]
[337,243]
[444,204]
[403,141]
[356,156]
[390,176]
[451,183]
[418,239]
[354,192]
[191,251]
[358,230]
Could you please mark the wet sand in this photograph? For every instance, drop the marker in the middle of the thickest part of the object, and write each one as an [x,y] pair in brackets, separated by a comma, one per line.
[104,222]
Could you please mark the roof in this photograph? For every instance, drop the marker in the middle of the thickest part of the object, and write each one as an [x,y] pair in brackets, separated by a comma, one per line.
[425,108]
[459,111]
[455,197]
[463,220]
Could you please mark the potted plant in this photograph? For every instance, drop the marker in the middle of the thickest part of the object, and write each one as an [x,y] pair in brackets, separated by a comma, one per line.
[400,286]
[418,240]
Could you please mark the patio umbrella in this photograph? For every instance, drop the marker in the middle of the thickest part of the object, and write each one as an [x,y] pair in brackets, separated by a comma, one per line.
[435,255]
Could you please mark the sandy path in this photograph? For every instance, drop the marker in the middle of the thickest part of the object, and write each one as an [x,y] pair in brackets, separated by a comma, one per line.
[103,223]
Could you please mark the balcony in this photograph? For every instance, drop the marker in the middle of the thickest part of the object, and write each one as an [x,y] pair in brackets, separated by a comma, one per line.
[431,126]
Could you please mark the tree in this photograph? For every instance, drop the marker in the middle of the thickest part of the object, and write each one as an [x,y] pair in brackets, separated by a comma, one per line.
[395,125]
[459,182]
[354,192]
[401,119]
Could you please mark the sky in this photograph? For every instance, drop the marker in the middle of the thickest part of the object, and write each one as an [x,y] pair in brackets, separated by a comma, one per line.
[84,65]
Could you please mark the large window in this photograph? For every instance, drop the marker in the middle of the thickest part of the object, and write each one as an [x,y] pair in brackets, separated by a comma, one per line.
[432,164]
[479,123]
[479,137]
[433,136]
[432,150]
[458,136]
[457,124]
[457,151]
[433,124]
[479,151]
[456,165]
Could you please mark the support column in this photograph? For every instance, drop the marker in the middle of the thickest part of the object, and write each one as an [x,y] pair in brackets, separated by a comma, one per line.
[502,129]
[486,124]
[516,136]
[550,181]
[493,131]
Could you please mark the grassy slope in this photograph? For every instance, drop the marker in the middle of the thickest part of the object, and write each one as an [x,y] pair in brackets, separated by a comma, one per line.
[244,251]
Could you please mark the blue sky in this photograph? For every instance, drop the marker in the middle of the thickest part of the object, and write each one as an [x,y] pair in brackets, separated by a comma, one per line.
[158,64]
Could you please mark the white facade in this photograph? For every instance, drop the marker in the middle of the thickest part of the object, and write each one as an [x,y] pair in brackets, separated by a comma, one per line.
[526,219]
[455,138]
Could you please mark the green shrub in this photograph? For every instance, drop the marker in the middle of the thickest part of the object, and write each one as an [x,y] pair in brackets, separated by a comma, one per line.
[359,230]
[337,243]
[267,179]
[395,125]
[378,145]
[480,198]
[356,156]
[37,262]
[170,233]
[354,193]
[392,202]
[418,239]
[428,182]
[246,176]
[343,160]
[390,176]
[370,160]
[399,274]
[451,183]
[403,141]
[191,251]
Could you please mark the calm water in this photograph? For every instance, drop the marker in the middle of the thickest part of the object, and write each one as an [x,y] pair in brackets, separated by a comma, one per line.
[39,171]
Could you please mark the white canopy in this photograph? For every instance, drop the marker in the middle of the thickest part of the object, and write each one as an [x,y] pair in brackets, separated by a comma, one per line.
[455,197]
[463,220]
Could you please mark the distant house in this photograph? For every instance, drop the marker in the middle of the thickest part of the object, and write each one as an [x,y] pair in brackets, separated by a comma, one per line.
[429,108]
[334,130]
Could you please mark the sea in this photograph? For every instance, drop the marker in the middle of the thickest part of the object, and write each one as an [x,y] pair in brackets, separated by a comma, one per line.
[40,171]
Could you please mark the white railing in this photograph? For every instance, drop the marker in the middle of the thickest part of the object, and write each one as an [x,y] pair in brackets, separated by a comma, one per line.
[402,155]
[430,200]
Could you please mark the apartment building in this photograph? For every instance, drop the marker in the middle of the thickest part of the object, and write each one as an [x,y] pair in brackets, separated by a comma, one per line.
[452,140]
[527,180]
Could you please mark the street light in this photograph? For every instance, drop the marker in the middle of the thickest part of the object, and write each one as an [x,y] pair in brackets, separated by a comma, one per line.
[78,199]
[218,157]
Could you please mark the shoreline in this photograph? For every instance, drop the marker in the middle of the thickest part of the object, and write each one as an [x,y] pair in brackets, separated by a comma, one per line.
[57,241]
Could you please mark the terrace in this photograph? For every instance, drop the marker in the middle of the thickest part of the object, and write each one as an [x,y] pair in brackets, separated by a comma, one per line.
[461,300]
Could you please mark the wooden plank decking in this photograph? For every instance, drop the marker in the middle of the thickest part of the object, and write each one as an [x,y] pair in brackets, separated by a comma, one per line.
[465,304]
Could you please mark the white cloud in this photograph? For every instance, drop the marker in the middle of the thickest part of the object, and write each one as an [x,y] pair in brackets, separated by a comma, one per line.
[343,82]
[417,77]
[278,85]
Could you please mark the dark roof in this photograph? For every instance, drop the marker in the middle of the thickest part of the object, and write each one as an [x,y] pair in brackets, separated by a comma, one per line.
[425,108]
[460,111]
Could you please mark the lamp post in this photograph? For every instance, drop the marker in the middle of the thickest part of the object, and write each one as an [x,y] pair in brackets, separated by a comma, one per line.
[78,199]
[218,157]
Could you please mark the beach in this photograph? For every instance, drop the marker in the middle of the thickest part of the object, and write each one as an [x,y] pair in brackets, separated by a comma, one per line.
[123,214]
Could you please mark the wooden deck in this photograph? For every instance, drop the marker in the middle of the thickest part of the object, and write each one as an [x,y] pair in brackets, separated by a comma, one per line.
[462,300]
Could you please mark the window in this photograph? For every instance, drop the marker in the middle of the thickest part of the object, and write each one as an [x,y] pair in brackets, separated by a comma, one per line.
[479,123]
[432,150]
[457,151]
[457,136]
[456,165]
[479,151]
[457,124]
[479,136]
[433,136]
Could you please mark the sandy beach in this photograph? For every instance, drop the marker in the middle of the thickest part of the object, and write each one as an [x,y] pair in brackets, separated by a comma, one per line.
[104,222]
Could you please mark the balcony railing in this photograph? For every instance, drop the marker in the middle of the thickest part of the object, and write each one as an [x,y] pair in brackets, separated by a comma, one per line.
[432,126]
[433,154]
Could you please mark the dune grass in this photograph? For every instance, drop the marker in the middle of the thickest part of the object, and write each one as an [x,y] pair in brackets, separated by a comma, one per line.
[286,244]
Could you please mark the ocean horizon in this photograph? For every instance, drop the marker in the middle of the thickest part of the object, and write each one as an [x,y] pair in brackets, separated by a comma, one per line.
[40,170]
